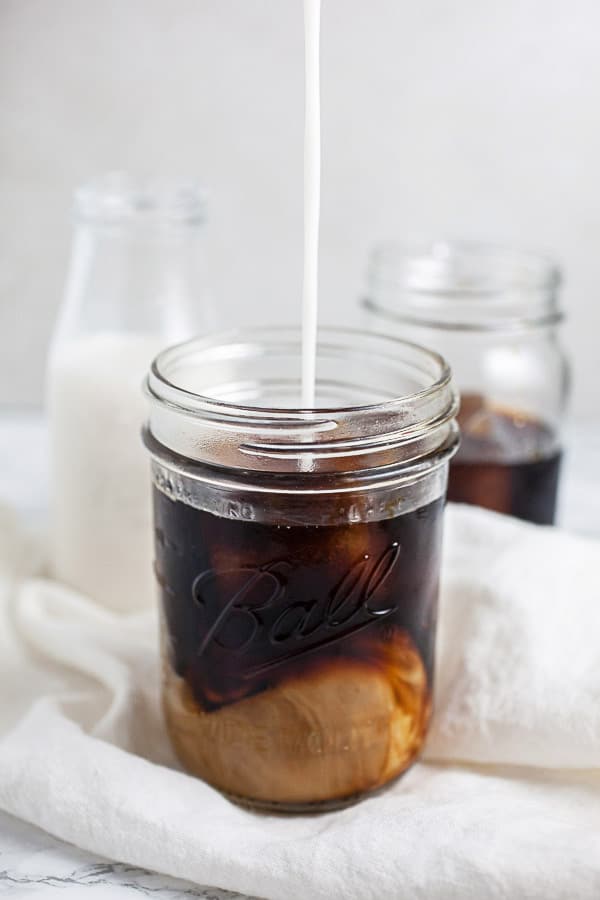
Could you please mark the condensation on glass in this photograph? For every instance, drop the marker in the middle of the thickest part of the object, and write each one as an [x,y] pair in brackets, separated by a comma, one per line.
[297,558]
[493,312]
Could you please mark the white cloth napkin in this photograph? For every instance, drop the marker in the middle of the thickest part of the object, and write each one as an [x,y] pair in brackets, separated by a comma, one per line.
[507,804]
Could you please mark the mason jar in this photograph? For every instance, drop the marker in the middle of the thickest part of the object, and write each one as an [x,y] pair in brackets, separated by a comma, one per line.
[297,555]
[493,312]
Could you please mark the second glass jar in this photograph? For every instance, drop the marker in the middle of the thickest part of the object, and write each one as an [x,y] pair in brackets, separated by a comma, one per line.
[493,312]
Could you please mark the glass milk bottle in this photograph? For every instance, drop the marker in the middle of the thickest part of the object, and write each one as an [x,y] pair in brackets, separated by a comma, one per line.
[494,314]
[136,282]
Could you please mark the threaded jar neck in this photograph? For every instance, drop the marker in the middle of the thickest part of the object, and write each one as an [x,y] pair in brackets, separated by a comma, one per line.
[464,286]
[232,402]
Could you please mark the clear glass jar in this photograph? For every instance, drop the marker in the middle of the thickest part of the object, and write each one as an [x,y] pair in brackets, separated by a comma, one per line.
[136,283]
[493,313]
[297,556]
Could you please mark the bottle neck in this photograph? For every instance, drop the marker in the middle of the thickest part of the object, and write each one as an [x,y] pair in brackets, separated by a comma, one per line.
[136,280]
[133,278]
[137,262]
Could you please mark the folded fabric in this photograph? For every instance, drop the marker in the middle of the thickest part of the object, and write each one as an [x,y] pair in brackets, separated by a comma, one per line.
[507,805]
[518,674]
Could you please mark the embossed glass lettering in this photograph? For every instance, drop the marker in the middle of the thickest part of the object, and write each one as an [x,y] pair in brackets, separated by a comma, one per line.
[257,604]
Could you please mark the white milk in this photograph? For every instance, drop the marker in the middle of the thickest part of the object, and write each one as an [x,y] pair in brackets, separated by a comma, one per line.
[312,192]
[101,529]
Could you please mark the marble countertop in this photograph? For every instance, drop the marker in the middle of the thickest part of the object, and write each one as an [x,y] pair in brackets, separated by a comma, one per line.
[33,862]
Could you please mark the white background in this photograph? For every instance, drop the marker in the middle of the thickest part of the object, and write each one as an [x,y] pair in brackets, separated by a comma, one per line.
[469,118]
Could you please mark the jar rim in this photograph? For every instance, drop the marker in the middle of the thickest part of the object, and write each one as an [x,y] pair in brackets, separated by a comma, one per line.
[463,285]
[215,427]
[158,377]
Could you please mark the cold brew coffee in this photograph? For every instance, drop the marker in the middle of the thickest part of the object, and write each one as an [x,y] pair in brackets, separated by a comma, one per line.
[299,659]
[506,462]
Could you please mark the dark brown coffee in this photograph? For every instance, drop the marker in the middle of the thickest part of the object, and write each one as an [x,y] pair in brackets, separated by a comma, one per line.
[308,650]
[506,462]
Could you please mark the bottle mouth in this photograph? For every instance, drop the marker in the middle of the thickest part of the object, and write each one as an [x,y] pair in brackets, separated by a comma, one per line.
[233,400]
[463,285]
[117,197]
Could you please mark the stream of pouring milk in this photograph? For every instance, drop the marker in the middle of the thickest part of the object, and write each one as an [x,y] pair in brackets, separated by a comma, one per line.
[312,191]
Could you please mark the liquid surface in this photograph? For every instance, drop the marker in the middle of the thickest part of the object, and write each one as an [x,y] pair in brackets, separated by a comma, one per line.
[506,462]
[298,660]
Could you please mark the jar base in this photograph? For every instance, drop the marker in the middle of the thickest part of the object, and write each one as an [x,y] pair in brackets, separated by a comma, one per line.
[314,807]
